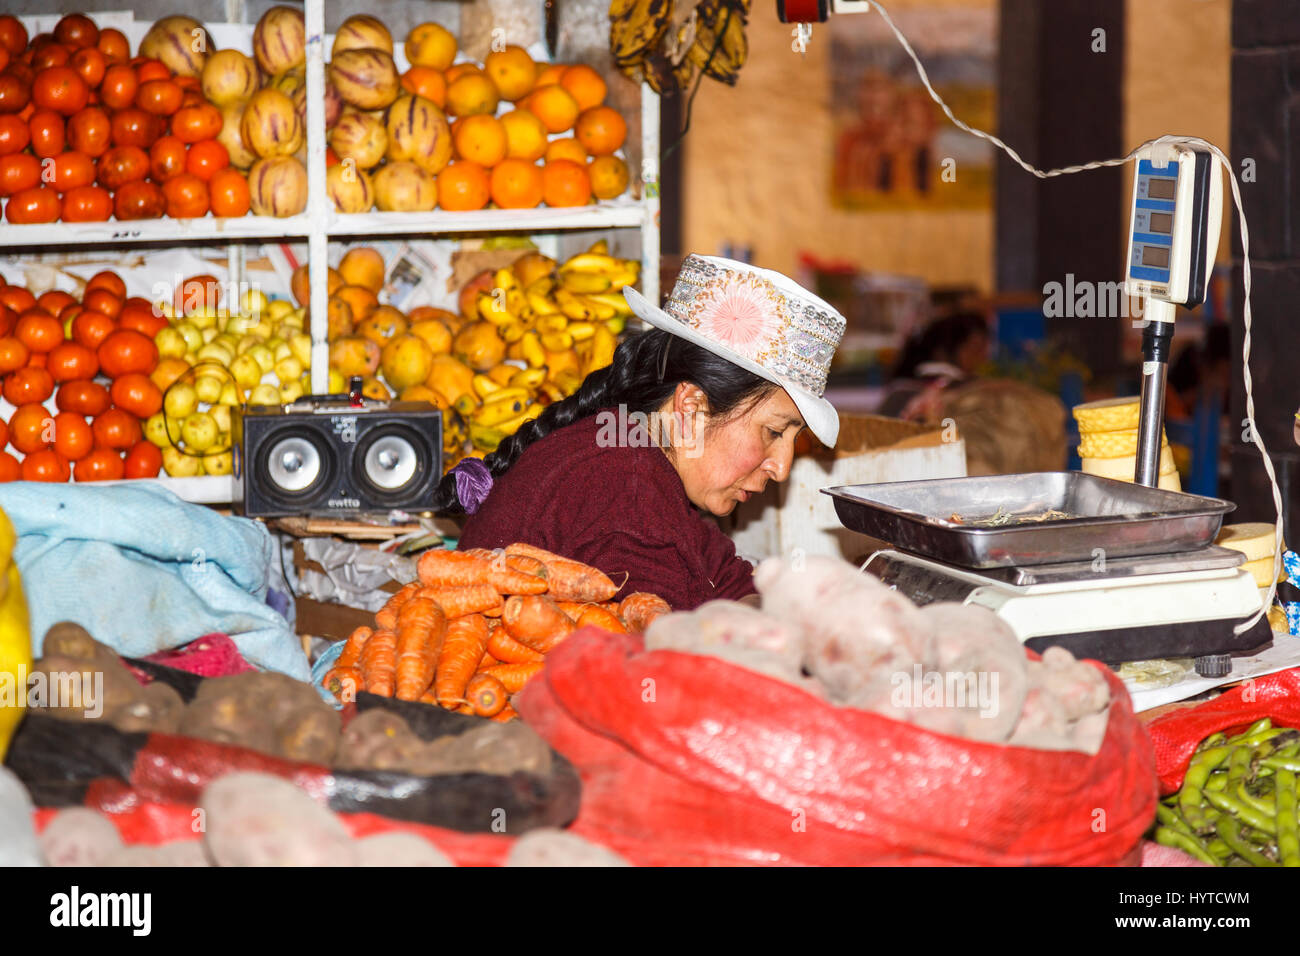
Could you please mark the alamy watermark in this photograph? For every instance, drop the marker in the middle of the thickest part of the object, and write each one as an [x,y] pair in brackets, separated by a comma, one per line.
[55,690]
[620,428]
[947,689]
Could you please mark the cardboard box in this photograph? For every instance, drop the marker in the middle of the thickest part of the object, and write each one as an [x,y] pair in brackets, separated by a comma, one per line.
[871,449]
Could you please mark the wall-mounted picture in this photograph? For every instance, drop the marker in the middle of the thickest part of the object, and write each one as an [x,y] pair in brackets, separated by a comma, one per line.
[894,148]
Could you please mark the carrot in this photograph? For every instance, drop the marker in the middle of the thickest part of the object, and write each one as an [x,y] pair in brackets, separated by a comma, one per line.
[506,715]
[467,639]
[573,609]
[487,660]
[457,602]
[463,709]
[379,663]
[421,629]
[509,651]
[535,620]
[386,616]
[463,569]
[639,609]
[352,649]
[597,616]
[429,697]
[486,694]
[515,676]
[525,564]
[569,580]
[343,683]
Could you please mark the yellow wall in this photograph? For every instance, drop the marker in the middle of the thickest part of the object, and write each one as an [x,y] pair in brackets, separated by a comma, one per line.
[758,156]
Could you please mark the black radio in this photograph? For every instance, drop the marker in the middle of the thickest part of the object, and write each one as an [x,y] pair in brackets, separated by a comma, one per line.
[336,454]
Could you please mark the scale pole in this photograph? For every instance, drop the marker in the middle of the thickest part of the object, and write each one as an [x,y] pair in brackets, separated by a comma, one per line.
[1156,339]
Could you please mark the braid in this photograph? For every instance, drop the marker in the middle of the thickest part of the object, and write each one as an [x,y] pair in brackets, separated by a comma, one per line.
[644,373]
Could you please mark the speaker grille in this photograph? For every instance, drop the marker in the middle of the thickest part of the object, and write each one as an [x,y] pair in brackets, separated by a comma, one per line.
[391,461]
[296,464]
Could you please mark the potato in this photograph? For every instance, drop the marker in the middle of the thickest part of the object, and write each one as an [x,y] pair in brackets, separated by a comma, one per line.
[269,712]
[310,734]
[183,853]
[18,842]
[227,720]
[255,819]
[75,689]
[150,856]
[377,740]
[734,632]
[157,709]
[66,639]
[78,836]
[550,847]
[399,849]
[492,748]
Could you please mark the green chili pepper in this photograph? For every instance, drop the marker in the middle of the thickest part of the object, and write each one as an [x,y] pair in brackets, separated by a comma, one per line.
[1230,832]
[1247,814]
[1288,829]
[1264,723]
[1197,776]
[1188,844]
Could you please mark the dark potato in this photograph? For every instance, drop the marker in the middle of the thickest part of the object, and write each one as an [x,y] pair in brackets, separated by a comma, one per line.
[66,639]
[310,734]
[157,709]
[75,689]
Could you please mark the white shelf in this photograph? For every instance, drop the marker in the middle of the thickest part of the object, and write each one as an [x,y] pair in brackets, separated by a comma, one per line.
[202,490]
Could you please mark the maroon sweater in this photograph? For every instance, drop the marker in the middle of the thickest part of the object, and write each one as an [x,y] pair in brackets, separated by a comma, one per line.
[619,509]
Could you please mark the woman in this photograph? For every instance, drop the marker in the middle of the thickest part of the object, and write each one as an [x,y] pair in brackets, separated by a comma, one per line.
[949,351]
[692,416]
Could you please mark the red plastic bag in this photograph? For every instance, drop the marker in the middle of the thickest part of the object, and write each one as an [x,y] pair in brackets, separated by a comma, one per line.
[690,760]
[1176,734]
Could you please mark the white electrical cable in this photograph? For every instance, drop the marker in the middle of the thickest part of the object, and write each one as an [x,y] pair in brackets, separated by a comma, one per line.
[1245,272]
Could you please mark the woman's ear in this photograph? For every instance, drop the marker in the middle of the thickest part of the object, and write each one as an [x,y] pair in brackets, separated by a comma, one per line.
[689,401]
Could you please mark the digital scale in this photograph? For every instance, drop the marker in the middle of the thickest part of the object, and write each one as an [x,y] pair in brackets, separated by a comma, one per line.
[1107,569]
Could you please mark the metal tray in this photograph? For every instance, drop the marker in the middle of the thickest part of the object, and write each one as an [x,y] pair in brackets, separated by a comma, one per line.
[1107,517]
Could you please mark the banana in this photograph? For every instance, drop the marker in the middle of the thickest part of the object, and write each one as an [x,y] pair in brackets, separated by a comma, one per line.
[601,310]
[622,278]
[582,281]
[502,374]
[512,425]
[568,381]
[504,279]
[517,303]
[591,262]
[582,330]
[512,331]
[599,248]
[484,437]
[540,303]
[484,386]
[531,347]
[617,324]
[494,413]
[528,378]
[555,322]
[465,404]
[489,311]
[636,26]
[613,300]
[603,343]
[572,306]
[542,286]
[557,341]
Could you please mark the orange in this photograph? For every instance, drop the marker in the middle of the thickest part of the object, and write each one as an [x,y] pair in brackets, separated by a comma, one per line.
[427,82]
[512,70]
[609,177]
[480,139]
[549,74]
[554,106]
[453,73]
[430,44]
[525,135]
[463,186]
[168,371]
[517,184]
[471,94]
[601,130]
[361,300]
[567,148]
[565,183]
[585,85]
[363,266]
[228,193]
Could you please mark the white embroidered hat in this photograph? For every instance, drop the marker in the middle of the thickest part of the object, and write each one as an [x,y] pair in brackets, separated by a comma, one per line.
[761,321]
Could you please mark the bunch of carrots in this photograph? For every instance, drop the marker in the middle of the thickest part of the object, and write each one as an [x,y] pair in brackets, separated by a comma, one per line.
[477,626]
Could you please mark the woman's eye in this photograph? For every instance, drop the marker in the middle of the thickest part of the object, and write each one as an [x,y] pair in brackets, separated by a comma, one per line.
[773,434]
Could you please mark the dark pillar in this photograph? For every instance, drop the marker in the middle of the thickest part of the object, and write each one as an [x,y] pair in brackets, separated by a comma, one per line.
[1266,137]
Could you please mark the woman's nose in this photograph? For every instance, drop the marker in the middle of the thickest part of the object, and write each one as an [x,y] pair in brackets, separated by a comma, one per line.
[778,466]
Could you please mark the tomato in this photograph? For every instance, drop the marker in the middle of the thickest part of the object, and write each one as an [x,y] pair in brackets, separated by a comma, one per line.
[187,196]
[103,464]
[136,394]
[14,134]
[8,319]
[150,69]
[18,171]
[82,397]
[117,428]
[36,360]
[13,354]
[90,131]
[31,428]
[197,292]
[38,330]
[119,87]
[33,205]
[91,327]
[122,165]
[135,127]
[87,204]
[4,426]
[13,35]
[101,299]
[54,301]
[228,193]
[77,30]
[160,97]
[206,158]
[46,465]
[15,92]
[28,385]
[48,136]
[139,200]
[10,470]
[193,123]
[166,158]
[107,279]
[144,460]
[91,65]
[51,54]
[72,170]
[126,351]
[60,88]
[72,361]
[73,436]
[113,44]
[17,298]
[141,316]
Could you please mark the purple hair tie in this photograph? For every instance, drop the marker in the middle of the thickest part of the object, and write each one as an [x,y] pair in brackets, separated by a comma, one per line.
[473,483]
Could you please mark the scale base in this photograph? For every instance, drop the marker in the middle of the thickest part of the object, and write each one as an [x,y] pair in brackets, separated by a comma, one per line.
[1161,641]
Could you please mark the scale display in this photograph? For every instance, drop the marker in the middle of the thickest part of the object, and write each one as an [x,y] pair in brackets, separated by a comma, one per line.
[1153,222]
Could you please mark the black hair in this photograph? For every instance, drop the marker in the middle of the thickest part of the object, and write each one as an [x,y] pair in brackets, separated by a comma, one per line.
[646,369]
[939,341]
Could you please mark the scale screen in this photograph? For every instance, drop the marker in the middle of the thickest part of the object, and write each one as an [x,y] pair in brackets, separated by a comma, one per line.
[1153,222]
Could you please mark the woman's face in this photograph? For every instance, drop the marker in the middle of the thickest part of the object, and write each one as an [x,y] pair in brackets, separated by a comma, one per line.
[722,463]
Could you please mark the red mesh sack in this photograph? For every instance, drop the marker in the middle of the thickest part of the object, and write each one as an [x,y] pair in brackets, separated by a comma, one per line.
[1176,734]
[690,760]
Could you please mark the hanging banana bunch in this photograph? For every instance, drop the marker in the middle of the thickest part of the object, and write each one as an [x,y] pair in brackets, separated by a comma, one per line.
[664,42]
